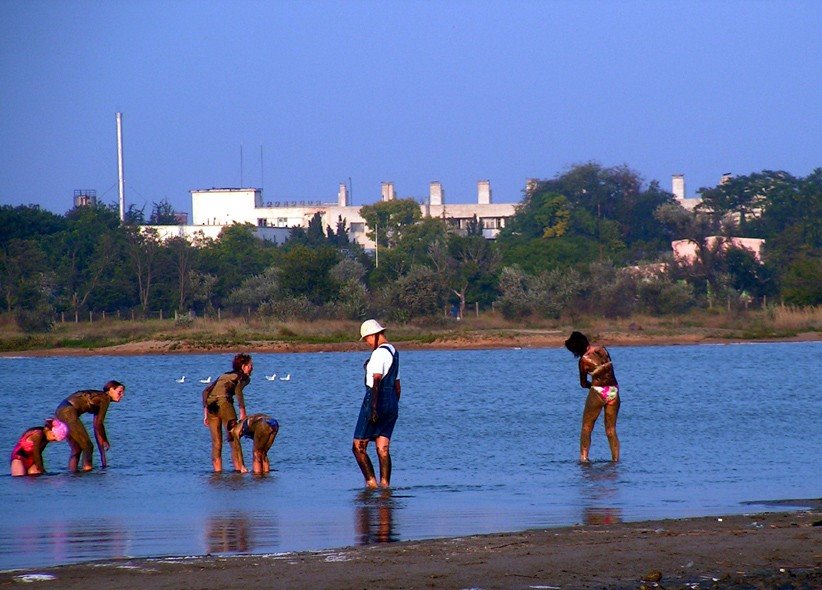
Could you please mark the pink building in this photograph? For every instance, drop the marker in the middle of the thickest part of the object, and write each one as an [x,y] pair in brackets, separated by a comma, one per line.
[685,250]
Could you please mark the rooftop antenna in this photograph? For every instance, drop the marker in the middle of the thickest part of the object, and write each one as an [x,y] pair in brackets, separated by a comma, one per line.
[120,175]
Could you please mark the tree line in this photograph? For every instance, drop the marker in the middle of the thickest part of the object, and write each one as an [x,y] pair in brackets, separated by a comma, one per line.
[593,240]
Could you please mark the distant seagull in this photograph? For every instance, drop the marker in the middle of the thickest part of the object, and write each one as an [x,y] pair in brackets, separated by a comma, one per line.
[206,380]
[286,378]
[181,379]
[271,377]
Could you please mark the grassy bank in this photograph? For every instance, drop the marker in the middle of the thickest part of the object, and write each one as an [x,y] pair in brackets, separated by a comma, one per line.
[487,330]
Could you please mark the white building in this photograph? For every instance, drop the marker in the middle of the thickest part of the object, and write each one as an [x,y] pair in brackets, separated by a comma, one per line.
[214,208]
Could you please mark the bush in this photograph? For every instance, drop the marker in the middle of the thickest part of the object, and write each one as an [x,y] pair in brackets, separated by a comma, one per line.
[283,310]
[34,320]
[661,296]
[413,295]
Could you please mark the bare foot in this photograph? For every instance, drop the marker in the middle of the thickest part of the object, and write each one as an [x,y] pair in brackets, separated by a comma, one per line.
[371,484]
[87,467]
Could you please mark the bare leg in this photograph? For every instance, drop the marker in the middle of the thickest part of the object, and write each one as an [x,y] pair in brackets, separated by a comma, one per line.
[384,457]
[593,406]
[74,455]
[611,413]
[215,428]
[265,466]
[237,455]
[17,467]
[364,461]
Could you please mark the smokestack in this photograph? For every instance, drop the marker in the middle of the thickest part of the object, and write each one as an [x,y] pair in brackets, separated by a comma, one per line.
[120,176]
[435,193]
[678,186]
[484,192]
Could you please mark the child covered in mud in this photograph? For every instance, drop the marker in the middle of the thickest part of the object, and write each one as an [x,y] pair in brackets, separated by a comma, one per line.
[262,429]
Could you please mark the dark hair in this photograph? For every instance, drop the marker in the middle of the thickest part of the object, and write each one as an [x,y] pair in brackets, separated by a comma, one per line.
[577,343]
[240,360]
[112,385]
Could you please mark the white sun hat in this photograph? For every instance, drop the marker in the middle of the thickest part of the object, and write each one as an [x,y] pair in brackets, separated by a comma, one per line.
[370,327]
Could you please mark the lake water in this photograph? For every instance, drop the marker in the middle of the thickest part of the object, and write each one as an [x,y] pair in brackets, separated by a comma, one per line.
[487,441]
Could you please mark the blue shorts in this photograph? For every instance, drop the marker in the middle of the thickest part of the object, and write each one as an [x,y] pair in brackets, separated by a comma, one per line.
[366,430]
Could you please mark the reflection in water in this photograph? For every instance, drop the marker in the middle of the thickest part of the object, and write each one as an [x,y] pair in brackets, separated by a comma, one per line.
[75,540]
[598,488]
[228,534]
[240,532]
[375,517]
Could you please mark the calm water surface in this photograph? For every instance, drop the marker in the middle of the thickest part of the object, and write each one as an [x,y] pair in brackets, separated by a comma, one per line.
[487,441]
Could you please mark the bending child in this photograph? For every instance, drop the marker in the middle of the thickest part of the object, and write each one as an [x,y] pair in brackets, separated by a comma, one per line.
[263,430]
[88,401]
[27,456]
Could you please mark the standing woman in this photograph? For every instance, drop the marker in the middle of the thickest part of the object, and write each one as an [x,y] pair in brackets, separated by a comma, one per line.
[88,401]
[603,392]
[27,456]
[219,412]
[380,407]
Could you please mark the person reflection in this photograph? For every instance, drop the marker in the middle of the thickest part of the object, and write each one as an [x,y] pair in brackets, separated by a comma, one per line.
[598,489]
[228,534]
[375,517]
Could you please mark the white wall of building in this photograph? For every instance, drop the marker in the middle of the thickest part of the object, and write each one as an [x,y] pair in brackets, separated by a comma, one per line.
[214,208]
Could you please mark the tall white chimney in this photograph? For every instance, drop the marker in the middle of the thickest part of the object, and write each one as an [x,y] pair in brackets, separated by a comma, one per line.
[343,199]
[120,176]
[484,192]
[435,193]
[678,186]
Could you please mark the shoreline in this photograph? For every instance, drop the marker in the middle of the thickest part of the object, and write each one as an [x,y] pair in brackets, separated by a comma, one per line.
[754,550]
[511,339]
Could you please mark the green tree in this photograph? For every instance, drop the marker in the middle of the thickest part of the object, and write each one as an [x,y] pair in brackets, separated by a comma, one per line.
[234,256]
[182,255]
[28,222]
[467,267]
[135,215]
[84,253]
[387,220]
[23,266]
[305,272]
[162,213]
[143,250]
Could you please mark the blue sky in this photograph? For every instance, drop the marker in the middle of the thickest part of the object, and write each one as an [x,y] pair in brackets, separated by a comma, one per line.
[407,92]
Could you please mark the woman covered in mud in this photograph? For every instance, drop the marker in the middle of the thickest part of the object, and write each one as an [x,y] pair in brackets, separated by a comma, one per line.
[603,392]
[88,401]
[219,412]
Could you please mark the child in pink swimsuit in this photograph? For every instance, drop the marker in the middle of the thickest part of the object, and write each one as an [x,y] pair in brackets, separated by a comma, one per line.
[27,456]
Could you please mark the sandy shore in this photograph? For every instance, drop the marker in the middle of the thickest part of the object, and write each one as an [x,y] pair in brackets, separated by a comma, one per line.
[765,550]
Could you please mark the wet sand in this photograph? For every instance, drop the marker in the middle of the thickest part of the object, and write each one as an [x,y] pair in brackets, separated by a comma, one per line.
[757,550]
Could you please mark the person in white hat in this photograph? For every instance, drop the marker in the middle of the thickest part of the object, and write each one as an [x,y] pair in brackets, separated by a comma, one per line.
[380,406]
